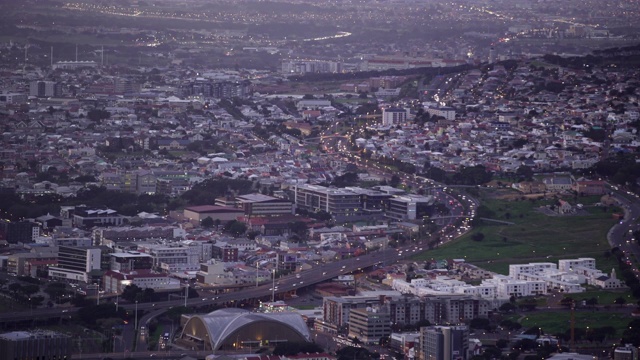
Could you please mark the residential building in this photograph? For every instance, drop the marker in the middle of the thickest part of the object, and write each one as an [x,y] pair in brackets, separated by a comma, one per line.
[590,187]
[446,112]
[225,253]
[558,183]
[45,89]
[394,116]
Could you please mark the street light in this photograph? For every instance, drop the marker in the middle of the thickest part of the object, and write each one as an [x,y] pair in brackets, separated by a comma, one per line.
[135,326]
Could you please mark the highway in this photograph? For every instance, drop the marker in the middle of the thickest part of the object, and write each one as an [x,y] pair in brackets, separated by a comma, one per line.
[620,235]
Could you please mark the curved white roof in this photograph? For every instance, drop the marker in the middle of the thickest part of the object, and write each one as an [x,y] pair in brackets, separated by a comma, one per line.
[224,322]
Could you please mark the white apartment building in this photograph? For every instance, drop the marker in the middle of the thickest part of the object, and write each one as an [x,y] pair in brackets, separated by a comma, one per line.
[393,116]
[531,268]
[446,112]
[443,285]
[572,264]
[507,286]
[567,276]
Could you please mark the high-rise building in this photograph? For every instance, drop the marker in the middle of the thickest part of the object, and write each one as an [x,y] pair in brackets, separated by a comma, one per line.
[45,89]
[444,343]
[76,264]
[393,116]
[370,324]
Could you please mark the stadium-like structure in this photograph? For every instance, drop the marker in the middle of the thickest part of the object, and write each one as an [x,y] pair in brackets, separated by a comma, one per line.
[234,329]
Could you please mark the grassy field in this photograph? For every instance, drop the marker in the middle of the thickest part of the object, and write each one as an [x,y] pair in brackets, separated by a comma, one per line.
[534,237]
[559,322]
[603,297]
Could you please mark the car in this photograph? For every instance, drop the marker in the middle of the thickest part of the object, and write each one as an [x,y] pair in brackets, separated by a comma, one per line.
[64,311]
[324,273]
[203,299]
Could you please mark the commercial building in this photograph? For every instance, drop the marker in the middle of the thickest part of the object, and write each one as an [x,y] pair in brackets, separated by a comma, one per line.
[409,207]
[12,98]
[85,217]
[215,89]
[310,66]
[626,352]
[76,264]
[115,281]
[19,231]
[370,324]
[444,343]
[221,213]
[72,65]
[130,261]
[36,344]
[340,203]
[19,263]
[172,258]
[264,205]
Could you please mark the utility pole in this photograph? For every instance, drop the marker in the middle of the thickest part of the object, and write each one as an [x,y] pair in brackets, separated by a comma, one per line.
[135,327]
[573,324]
[186,294]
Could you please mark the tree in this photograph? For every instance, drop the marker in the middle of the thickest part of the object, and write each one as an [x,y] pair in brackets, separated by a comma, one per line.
[524,172]
[480,323]
[395,181]
[55,290]
[477,237]
[98,115]
[507,307]
[130,292]
[299,228]
[15,288]
[620,301]
[207,222]
[30,289]
[235,228]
